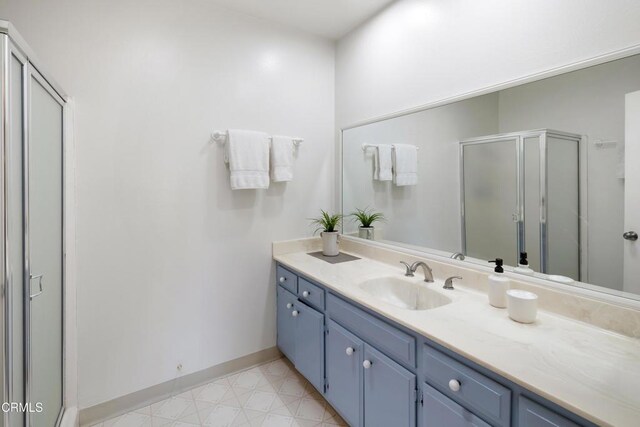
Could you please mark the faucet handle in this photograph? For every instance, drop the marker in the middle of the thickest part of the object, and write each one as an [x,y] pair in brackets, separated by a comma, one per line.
[448,284]
[409,272]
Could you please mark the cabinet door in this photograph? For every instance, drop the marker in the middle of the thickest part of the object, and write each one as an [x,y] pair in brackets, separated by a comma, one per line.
[309,337]
[530,414]
[438,410]
[389,391]
[286,323]
[344,373]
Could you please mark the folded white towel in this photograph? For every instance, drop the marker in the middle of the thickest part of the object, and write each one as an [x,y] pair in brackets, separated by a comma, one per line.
[405,168]
[281,158]
[247,153]
[382,163]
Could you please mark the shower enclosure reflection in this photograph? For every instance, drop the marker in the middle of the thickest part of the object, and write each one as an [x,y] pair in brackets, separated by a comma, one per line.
[520,193]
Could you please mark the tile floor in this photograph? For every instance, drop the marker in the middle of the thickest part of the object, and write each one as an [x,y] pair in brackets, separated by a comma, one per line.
[272,394]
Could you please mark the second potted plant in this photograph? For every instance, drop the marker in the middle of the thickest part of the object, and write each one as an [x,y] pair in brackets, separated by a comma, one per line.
[328,226]
[366,218]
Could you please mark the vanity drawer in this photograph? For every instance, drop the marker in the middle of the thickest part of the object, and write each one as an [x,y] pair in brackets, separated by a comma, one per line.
[530,414]
[391,341]
[310,293]
[476,392]
[287,279]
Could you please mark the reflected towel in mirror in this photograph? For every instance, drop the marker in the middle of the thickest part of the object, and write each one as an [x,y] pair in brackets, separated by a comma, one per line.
[405,164]
[382,163]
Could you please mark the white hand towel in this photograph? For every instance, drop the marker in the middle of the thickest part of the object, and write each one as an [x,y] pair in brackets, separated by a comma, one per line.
[247,153]
[405,164]
[382,163]
[281,158]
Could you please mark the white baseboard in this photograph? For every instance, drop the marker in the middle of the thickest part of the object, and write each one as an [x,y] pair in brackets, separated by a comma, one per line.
[70,417]
[139,399]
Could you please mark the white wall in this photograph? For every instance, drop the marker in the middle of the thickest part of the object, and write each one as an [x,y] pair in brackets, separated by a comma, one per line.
[174,267]
[427,214]
[419,51]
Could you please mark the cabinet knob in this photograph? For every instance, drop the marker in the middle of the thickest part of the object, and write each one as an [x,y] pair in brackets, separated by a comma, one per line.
[454,385]
[349,351]
[283,279]
[305,294]
[366,364]
[295,313]
[289,305]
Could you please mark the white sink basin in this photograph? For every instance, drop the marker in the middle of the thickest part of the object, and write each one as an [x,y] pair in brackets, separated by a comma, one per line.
[410,295]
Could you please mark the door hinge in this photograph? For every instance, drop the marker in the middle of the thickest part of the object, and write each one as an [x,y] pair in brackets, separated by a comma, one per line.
[326,330]
[415,395]
[421,398]
[326,384]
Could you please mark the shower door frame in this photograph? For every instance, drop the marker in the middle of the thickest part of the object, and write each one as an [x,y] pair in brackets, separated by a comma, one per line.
[10,46]
[33,73]
[520,243]
[542,135]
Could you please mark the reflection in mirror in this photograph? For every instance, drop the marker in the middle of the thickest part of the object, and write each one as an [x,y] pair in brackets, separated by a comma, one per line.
[536,168]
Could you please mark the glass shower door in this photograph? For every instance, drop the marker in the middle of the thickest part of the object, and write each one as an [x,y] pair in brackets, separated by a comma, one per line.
[44,252]
[490,199]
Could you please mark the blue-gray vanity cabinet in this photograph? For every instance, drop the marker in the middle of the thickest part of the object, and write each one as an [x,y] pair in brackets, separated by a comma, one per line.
[344,357]
[474,391]
[310,293]
[437,410]
[309,344]
[394,342]
[372,365]
[286,323]
[389,391]
[300,336]
[531,414]
[287,279]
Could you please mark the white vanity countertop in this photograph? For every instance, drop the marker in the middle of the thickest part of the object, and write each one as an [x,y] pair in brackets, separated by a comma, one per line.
[587,370]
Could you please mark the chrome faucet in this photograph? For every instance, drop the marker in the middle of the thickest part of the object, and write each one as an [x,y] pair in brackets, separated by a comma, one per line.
[428,273]
[448,284]
[458,255]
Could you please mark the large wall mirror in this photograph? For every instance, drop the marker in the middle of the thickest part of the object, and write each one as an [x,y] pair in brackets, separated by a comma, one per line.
[550,168]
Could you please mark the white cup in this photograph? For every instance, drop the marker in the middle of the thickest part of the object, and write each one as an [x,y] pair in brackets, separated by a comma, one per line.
[522,305]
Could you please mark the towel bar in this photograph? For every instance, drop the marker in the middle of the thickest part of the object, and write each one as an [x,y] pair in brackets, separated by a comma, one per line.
[365,146]
[221,137]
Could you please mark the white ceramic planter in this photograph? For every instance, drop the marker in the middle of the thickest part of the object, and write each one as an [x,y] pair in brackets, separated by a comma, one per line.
[330,243]
[366,233]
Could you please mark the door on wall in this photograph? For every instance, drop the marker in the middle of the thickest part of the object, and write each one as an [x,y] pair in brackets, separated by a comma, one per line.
[44,251]
[632,194]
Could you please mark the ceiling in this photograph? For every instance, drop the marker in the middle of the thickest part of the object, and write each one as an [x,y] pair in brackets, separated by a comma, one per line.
[327,18]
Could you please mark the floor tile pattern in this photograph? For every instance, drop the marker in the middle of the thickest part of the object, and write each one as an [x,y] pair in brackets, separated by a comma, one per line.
[269,395]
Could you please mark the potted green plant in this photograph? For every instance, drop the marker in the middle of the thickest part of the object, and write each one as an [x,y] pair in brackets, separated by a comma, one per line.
[366,218]
[328,225]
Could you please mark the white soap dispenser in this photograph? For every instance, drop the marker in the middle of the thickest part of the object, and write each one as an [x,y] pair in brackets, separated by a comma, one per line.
[498,285]
[523,265]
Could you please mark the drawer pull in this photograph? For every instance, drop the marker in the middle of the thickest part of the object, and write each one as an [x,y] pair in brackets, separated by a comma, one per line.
[454,385]
[295,313]
[289,305]
[283,279]
[305,294]
[366,364]
[349,351]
